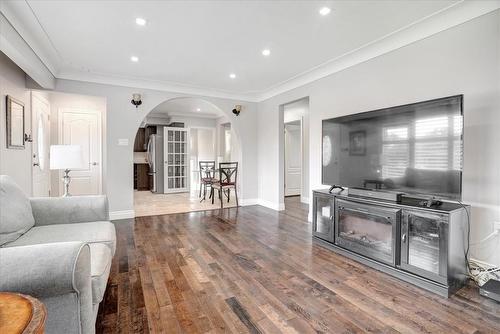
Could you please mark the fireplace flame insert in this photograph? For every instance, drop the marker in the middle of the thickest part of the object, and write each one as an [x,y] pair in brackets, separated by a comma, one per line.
[368,230]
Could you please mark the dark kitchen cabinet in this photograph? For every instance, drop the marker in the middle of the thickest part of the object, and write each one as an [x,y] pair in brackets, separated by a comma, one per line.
[141,178]
[140,140]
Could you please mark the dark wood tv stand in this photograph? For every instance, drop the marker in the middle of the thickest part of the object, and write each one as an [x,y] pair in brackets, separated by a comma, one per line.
[420,245]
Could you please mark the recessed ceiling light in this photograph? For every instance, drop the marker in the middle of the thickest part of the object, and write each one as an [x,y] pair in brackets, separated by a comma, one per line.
[266,52]
[198,109]
[134,59]
[325,11]
[232,75]
[140,21]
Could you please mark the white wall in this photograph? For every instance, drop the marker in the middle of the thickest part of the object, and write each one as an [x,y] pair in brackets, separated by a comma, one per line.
[123,120]
[205,143]
[462,60]
[14,162]
[60,101]
[194,122]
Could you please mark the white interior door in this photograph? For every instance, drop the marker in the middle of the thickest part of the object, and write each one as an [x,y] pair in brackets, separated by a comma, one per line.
[293,159]
[82,127]
[176,156]
[41,145]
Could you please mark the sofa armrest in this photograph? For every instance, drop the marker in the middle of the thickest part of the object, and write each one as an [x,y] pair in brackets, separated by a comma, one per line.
[51,270]
[44,270]
[66,210]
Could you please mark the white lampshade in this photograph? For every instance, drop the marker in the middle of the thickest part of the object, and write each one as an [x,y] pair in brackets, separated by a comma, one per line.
[66,157]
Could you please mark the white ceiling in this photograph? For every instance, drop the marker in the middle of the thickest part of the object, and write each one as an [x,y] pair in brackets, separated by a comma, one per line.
[196,44]
[187,106]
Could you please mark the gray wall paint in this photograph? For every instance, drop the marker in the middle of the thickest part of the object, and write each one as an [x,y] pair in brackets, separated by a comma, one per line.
[123,120]
[13,162]
[462,60]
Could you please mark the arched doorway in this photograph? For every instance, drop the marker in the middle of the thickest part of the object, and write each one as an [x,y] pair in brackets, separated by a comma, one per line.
[171,141]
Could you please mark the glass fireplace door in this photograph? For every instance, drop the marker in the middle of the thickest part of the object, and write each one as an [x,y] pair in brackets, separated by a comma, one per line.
[323,217]
[423,244]
[367,230]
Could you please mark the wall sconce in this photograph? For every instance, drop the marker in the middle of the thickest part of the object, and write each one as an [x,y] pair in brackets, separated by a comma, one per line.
[136,99]
[237,109]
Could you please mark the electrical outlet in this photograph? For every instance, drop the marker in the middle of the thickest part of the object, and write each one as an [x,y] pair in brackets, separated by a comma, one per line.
[496,226]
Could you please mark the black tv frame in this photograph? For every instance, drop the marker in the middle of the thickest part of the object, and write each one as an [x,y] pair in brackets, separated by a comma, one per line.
[408,105]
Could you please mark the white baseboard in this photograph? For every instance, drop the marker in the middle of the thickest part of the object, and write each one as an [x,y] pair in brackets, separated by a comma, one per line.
[125,214]
[304,200]
[249,201]
[272,205]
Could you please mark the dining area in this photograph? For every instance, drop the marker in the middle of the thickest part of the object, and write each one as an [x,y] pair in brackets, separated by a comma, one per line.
[213,185]
[218,181]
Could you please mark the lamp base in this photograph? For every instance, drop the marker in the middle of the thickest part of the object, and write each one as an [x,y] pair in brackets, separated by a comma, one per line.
[66,180]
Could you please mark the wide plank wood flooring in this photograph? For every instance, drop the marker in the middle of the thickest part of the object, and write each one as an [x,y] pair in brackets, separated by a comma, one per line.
[254,270]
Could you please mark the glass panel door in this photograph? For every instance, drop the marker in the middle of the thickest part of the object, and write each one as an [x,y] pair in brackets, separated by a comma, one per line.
[176,162]
[323,217]
[423,241]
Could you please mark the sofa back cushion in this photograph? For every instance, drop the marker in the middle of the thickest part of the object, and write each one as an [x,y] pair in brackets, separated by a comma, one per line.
[16,216]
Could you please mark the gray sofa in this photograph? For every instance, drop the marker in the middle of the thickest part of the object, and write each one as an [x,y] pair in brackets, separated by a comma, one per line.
[58,250]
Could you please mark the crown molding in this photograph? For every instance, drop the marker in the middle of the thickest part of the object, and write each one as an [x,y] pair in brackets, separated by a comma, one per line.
[16,48]
[26,24]
[109,79]
[437,22]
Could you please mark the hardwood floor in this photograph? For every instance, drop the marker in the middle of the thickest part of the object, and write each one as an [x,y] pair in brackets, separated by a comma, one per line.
[254,270]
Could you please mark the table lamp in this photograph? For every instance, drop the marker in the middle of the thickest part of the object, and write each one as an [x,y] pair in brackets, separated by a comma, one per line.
[66,157]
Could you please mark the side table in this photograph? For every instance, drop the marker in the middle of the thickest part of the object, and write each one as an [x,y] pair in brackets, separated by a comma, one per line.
[21,314]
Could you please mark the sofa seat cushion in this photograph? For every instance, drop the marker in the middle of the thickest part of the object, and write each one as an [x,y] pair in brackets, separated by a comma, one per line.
[16,216]
[94,232]
[100,265]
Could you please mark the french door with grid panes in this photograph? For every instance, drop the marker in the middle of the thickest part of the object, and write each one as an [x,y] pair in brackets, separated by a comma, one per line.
[176,160]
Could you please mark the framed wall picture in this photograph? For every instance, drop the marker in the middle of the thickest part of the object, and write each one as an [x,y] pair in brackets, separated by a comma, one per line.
[15,123]
[357,142]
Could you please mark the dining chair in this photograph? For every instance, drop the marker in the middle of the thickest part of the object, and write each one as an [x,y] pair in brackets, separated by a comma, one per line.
[207,177]
[228,176]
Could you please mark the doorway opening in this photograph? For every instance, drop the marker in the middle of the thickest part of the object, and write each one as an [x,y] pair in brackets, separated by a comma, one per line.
[68,119]
[295,153]
[172,146]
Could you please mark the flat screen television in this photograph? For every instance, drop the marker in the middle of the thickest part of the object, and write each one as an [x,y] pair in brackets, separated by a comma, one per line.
[415,149]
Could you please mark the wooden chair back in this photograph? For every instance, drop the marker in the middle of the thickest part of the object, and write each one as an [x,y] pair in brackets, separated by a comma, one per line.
[207,169]
[228,173]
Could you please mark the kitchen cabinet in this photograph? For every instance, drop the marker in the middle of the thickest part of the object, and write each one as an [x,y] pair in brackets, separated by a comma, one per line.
[141,178]
[140,140]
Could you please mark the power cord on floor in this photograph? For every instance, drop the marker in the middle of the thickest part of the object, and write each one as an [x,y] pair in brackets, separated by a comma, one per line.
[479,272]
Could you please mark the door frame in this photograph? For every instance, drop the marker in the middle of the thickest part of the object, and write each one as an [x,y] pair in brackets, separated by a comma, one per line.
[60,113]
[34,95]
[301,131]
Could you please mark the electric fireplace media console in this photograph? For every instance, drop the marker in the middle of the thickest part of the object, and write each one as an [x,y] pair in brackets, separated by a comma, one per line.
[420,245]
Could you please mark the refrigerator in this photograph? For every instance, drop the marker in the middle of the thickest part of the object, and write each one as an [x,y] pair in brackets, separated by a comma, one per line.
[154,155]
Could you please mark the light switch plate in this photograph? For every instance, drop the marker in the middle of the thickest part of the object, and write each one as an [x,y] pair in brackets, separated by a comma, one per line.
[123,142]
